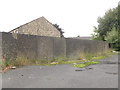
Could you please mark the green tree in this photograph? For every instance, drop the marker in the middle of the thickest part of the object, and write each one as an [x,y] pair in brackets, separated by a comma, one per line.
[78,36]
[95,35]
[108,27]
[107,22]
[60,29]
[113,38]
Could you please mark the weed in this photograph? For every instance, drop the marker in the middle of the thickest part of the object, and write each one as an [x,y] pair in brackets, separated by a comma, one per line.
[54,63]
[91,62]
[84,59]
[81,65]
[88,56]
[98,58]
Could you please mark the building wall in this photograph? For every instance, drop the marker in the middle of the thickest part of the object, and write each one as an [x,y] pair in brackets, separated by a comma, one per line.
[40,27]
[42,48]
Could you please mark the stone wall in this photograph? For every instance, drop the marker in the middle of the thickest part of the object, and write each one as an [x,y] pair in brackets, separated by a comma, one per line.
[75,47]
[42,48]
[0,60]
[9,46]
[59,48]
[0,47]
[40,27]
[45,48]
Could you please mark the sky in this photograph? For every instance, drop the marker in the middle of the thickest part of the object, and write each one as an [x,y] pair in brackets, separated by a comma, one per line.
[75,17]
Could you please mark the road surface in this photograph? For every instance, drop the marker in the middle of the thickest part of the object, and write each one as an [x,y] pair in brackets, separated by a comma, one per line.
[102,75]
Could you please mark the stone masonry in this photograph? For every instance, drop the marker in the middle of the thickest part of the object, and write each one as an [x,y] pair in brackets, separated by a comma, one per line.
[40,27]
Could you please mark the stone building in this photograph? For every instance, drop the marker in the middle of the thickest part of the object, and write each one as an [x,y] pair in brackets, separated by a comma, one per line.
[40,27]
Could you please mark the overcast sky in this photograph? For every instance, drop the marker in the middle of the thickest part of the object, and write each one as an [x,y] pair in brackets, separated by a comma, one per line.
[76,17]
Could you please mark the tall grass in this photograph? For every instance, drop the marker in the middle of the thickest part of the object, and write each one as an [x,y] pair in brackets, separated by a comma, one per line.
[97,55]
[21,59]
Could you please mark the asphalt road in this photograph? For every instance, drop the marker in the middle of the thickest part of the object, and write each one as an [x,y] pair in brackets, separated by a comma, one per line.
[102,75]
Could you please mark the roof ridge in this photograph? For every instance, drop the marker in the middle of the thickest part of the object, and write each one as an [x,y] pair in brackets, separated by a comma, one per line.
[25,24]
[42,17]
